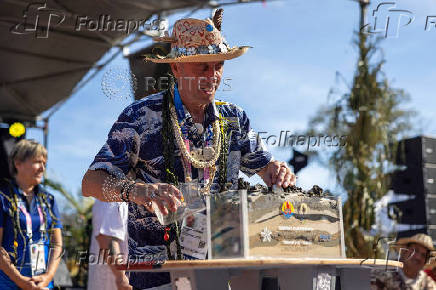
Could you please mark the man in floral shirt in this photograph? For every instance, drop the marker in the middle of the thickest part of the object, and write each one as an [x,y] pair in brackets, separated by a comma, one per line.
[414,254]
[137,145]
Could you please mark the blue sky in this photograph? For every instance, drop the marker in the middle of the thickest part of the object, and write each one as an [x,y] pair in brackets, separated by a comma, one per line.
[298,46]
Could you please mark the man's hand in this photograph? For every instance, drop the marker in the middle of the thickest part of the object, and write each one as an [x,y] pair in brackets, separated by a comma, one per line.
[162,194]
[277,173]
[42,280]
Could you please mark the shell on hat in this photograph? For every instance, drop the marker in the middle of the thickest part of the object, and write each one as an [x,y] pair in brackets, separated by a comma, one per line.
[195,32]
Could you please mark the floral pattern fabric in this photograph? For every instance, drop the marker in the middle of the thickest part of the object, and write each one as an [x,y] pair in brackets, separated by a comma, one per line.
[396,280]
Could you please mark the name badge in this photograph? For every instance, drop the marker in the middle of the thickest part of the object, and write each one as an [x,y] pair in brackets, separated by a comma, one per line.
[37,258]
[193,236]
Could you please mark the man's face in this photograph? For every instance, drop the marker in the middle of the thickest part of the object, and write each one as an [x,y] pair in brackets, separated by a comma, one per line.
[199,80]
[414,258]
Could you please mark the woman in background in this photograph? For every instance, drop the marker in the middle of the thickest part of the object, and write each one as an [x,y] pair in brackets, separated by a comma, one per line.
[30,227]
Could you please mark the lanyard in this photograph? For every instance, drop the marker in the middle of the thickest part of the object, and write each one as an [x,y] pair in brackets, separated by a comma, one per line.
[178,104]
[23,209]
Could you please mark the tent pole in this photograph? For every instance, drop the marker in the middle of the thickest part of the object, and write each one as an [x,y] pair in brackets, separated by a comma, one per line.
[45,131]
[45,140]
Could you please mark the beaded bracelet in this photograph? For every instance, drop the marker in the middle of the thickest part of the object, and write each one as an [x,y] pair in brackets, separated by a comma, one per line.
[123,186]
[129,189]
[124,190]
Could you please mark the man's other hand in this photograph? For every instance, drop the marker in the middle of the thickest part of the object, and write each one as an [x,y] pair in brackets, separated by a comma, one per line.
[277,173]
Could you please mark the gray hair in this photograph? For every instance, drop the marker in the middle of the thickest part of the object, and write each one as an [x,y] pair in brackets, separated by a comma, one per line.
[23,150]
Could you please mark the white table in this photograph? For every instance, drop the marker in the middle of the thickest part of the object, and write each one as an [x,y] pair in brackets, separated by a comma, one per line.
[299,274]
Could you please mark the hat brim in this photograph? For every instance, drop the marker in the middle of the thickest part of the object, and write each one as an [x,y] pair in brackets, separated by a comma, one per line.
[232,53]
[405,241]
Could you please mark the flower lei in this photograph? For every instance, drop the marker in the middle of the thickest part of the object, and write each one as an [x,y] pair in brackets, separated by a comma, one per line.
[225,142]
[187,155]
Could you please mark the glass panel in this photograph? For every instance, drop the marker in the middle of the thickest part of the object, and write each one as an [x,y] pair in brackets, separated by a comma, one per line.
[281,225]
[293,225]
[226,224]
[194,202]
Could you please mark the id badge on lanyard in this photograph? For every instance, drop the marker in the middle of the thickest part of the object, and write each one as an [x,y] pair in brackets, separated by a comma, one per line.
[37,249]
[193,236]
[37,258]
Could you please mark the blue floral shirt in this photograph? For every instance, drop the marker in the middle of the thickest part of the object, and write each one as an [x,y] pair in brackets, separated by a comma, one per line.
[23,264]
[134,148]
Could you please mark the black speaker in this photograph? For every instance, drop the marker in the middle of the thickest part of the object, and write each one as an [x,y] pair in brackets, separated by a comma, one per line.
[418,155]
[431,209]
[431,231]
[415,180]
[410,212]
[150,76]
[416,151]
[416,211]
[7,142]
[430,178]
[412,232]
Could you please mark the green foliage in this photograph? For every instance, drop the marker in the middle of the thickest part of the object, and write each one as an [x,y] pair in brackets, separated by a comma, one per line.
[77,231]
[370,113]
[225,143]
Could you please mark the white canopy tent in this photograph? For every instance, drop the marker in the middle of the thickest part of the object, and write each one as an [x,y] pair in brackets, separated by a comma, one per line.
[47,48]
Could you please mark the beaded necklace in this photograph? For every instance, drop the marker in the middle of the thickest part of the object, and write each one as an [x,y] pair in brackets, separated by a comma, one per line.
[213,155]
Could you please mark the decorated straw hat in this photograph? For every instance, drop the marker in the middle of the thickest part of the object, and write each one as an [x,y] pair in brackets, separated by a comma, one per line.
[195,40]
[421,239]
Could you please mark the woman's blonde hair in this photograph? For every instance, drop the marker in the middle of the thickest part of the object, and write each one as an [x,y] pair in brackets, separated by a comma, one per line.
[23,150]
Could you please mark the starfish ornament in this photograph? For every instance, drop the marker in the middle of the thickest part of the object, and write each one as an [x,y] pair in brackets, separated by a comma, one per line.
[266,235]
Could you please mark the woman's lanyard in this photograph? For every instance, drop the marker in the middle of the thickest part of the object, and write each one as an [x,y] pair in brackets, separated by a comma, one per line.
[22,207]
[181,116]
